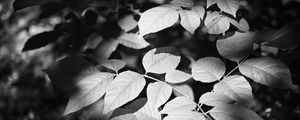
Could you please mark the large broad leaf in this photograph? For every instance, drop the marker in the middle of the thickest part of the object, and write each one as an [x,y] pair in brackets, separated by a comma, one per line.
[104,49]
[287,37]
[41,40]
[236,47]
[190,20]
[91,88]
[216,23]
[183,3]
[233,112]
[125,117]
[21,4]
[177,76]
[229,6]
[208,69]
[267,71]
[236,87]
[133,41]
[178,105]
[114,64]
[157,18]
[214,99]
[158,93]
[200,10]
[185,115]
[147,112]
[127,23]
[161,62]
[124,88]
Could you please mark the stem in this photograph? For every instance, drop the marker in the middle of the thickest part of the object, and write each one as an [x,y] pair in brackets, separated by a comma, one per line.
[236,67]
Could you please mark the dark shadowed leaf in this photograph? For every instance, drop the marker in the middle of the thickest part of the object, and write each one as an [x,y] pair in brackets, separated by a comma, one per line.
[104,49]
[21,4]
[41,40]
[229,6]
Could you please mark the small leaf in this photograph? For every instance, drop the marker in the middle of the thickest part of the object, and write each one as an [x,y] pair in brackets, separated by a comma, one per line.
[114,64]
[233,112]
[147,112]
[210,3]
[178,105]
[208,69]
[124,88]
[200,10]
[40,40]
[158,93]
[91,88]
[186,89]
[186,115]
[157,18]
[21,4]
[229,6]
[214,99]
[236,87]
[177,76]
[236,47]
[241,25]
[190,20]
[216,23]
[133,41]
[183,3]
[161,62]
[127,23]
[104,49]
[267,71]
[125,117]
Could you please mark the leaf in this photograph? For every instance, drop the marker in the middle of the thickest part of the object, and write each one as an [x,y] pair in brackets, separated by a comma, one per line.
[236,47]
[136,105]
[21,4]
[267,71]
[104,49]
[178,105]
[216,23]
[157,18]
[91,88]
[190,20]
[114,64]
[125,117]
[200,10]
[147,112]
[161,62]
[208,69]
[124,88]
[236,87]
[186,89]
[229,6]
[158,93]
[186,115]
[127,23]
[286,37]
[183,3]
[133,41]
[214,99]
[241,25]
[210,3]
[40,40]
[176,76]
[233,112]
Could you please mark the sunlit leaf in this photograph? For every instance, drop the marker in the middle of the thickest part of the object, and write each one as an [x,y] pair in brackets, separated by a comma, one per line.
[208,69]
[210,2]
[185,115]
[147,112]
[91,88]
[236,47]
[190,20]
[233,112]
[184,88]
[124,88]
[160,62]
[200,10]
[241,25]
[157,18]
[127,23]
[216,23]
[114,64]
[133,41]
[125,117]
[236,87]
[214,99]
[177,76]
[178,105]
[229,6]
[158,93]
[183,3]
[267,71]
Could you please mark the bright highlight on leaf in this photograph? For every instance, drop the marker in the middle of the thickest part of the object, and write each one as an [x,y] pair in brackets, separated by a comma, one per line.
[267,71]
[132,41]
[216,23]
[178,105]
[158,18]
[186,115]
[147,112]
[208,69]
[124,88]
[229,6]
[177,76]
[215,99]
[190,20]
[158,93]
[127,23]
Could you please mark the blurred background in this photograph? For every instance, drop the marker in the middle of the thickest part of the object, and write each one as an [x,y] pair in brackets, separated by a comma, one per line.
[68,26]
